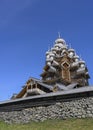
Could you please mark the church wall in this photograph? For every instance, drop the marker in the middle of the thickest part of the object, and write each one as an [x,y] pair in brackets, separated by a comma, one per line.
[77,108]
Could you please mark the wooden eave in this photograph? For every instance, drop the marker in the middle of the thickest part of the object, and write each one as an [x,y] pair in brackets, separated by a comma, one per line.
[46,67]
[43,74]
[22,92]
[51,80]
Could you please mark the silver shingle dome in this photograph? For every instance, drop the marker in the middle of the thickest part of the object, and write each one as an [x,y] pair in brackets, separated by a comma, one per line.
[60,40]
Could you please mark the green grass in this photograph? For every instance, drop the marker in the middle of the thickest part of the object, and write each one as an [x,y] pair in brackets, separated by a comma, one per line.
[71,124]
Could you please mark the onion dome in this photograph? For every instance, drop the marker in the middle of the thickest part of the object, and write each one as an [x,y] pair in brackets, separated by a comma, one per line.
[64,48]
[58,45]
[47,56]
[48,63]
[71,52]
[76,57]
[63,51]
[82,63]
[51,54]
[47,52]
[49,59]
[54,52]
[54,49]
[60,40]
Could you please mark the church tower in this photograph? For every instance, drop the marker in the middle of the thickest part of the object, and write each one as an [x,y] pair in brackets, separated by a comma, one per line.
[63,66]
[64,70]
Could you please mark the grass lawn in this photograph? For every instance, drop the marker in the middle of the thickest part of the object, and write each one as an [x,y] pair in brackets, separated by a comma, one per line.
[71,124]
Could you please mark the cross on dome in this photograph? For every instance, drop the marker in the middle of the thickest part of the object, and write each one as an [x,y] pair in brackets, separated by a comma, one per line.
[59,39]
[59,35]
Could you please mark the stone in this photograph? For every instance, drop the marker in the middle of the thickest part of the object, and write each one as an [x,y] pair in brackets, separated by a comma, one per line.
[80,108]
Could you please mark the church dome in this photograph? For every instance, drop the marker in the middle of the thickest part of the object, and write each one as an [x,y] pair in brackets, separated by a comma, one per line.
[71,50]
[82,62]
[76,57]
[47,53]
[60,40]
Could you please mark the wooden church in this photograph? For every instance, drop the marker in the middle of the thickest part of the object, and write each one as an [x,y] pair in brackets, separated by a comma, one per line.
[63,70]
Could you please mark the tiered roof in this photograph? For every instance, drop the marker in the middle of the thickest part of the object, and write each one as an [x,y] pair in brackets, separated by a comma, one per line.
[64,65]
[64,70]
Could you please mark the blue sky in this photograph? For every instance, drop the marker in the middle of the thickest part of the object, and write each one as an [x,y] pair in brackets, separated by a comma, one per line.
[29,27]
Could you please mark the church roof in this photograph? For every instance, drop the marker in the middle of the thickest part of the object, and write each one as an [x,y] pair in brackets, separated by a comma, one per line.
[64,71]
